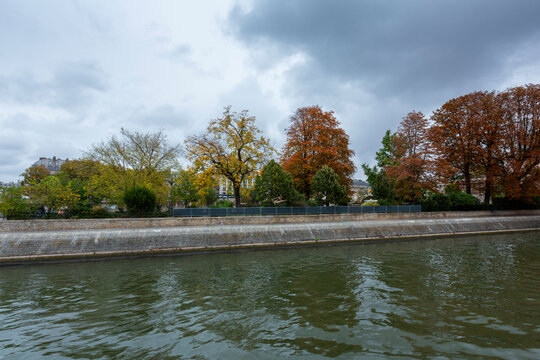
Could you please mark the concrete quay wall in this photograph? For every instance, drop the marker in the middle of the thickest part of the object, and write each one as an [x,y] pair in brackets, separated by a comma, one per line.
[23,246]
[131,223]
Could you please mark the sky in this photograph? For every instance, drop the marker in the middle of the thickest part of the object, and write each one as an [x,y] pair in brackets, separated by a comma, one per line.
[74,73]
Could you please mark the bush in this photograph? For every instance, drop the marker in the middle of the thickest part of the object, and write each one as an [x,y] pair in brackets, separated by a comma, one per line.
[371,203]
[139,200]
[464,201]
[436,202]
[224,204]
[502,203]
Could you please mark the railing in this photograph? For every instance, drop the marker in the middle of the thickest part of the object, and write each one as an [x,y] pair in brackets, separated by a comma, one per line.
[297,210]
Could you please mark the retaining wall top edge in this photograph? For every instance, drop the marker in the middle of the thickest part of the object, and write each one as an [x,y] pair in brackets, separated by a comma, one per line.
[126,223]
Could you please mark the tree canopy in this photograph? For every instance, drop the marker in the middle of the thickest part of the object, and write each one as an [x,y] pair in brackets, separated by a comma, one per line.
[327,188]
[232,146]
[314,139]
[274,185]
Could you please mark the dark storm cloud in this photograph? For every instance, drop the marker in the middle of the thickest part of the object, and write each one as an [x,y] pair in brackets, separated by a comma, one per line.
[408,47]
[71,86]
[374,61]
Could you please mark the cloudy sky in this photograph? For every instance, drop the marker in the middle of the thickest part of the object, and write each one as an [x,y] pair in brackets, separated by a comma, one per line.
[73,73]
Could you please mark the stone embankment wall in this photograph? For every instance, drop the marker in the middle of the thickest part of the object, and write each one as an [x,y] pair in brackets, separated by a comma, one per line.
[87,224]
[21,246]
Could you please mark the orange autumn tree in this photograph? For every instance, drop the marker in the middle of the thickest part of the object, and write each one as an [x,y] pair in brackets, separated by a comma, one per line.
[520,142]
[314,139]
[411,168]
[454,139]
[466,136]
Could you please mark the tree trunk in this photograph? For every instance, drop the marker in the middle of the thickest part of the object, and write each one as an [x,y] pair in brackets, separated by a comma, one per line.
[236,195]
[467,174]
[487,194]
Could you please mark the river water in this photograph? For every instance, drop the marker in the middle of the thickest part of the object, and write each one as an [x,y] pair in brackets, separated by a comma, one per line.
[463,298]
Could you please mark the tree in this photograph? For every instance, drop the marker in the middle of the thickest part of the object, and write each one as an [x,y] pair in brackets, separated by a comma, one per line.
[520,142]
[274,185]
[34,174]
[231,147]
[51,193]
[12,202]
[410,167]
[382,187]
[140,200]
[141,152]
[133,160]
[327,188]
[314,139]
[78,174]
[455,138]
[185,189]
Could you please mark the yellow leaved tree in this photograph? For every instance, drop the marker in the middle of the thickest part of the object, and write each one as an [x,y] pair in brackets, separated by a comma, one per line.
[231,147]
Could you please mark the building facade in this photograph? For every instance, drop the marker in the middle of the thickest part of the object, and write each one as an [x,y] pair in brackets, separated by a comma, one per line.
[53,165]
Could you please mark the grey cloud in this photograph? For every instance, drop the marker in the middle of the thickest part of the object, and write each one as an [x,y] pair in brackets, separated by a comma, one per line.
[71,86]
[374,61]
[180,53]
[410,46]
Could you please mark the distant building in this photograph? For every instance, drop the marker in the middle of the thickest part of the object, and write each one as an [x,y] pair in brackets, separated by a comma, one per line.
[53,165]
[225,188]
[9,184]
[360,189]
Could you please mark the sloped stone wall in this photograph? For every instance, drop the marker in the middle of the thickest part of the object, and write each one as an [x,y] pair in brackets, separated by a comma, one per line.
[64,244]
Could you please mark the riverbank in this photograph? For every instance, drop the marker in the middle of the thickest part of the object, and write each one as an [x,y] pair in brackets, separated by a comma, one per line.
[73,241]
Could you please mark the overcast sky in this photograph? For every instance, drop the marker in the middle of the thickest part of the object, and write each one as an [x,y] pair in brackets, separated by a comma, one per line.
[73,73]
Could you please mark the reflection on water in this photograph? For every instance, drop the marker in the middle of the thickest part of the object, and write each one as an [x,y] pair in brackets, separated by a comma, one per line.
[448,298]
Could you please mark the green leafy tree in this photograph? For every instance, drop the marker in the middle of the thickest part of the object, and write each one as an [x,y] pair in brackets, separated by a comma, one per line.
[34,174]
[275,185]
[133,160]
[51,193]
[140,200]
[13,205]
[382,186]
[79,173]
[185,188]
[208,195]
[327,188]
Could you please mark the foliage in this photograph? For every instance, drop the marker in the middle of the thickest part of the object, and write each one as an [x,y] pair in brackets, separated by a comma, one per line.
[185,189]
[274,186]
[34,174]
[520,142]
[382,187]
[327,188]
[463,201]
[224,204]
[231,147]
[13,205]
[79,173]
[436,202]
[206,186]
[111,183]
[133,160]
[139,200]
[410,166]
[386,155]
[208,196]
[51,193]
[370,203]
[141,152]
[314,139]
[451,200]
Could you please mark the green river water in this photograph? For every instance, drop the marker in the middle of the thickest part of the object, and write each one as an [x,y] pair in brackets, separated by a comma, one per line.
[462,298]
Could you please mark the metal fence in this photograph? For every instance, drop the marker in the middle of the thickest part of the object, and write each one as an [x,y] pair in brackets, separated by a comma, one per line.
[297,210]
